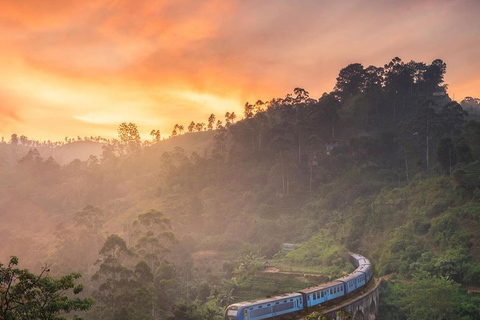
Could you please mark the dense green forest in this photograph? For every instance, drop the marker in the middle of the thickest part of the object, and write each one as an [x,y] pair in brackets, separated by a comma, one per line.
[386,165]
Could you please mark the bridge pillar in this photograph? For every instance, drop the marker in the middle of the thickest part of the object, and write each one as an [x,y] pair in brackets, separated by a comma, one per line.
[364,307]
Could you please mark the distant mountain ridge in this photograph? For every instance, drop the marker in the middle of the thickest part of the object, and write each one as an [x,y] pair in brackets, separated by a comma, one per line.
[199,142]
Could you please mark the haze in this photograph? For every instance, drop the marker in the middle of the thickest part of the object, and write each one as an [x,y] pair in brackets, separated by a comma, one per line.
[82,67]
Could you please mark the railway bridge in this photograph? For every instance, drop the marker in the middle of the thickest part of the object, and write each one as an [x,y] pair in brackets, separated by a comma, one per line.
[360,307]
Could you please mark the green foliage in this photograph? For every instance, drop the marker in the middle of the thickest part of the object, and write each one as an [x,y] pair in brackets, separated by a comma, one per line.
[321,252]
[431,298]
[153,236]
[447,233]
[315,316]
[355,168]
[26,296]
[426,298]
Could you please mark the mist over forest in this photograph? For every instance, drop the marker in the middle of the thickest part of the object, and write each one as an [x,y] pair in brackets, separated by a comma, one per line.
[386,164]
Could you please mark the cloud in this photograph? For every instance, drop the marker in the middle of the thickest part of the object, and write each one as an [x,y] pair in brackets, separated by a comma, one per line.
[160,62]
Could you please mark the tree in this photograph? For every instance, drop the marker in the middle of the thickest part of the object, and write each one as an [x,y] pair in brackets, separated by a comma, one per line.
[248,110]
[329,108]
[350,81]
[211,121]
[259,106]
[446,154]
[434,74]
[426,124]
[117,281]
[191,127]
[129,136]
[23,140]
[230,118]
[399,77]
[26,296]
[432,298]
[14,139]
[152,236]
[155,135]
[200,126]
[452,119]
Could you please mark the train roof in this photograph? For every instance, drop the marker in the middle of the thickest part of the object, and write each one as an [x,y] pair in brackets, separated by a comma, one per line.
[356,256]
[363,268]
[363,261]
[321,287]
[353,275]
[266,300]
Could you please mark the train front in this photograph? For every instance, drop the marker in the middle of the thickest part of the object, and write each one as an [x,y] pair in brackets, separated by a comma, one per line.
[233,312]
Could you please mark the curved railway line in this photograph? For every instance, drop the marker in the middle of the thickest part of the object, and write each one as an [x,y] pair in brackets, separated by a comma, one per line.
[296,303]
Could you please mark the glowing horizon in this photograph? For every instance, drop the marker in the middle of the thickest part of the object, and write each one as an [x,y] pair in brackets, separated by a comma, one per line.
[80,69]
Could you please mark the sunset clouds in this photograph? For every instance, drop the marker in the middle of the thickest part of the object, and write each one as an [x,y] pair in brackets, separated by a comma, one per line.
[81,67]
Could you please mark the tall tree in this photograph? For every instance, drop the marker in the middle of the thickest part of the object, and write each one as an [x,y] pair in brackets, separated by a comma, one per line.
[26,296]
[191,127]
[129,136]
[350,81]
[434,75]
[155,135]
[153,236]
[211,121]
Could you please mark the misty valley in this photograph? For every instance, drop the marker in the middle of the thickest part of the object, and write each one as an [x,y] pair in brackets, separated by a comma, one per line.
[238,208]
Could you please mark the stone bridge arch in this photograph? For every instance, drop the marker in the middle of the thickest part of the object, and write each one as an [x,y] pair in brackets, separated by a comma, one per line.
[372,311]
[359,315]
[364,307]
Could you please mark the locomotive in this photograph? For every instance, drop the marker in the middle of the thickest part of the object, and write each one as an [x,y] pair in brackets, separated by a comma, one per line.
[302,300]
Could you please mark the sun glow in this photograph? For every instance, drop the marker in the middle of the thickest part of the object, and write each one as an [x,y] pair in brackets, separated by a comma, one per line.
[71,68]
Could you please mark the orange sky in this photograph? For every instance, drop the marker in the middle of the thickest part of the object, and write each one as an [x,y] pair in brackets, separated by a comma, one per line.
[73,68]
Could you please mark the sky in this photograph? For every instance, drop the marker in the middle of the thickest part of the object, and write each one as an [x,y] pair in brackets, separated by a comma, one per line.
[80,68]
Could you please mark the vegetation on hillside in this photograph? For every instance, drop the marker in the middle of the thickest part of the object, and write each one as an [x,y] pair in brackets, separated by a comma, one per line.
[385,165]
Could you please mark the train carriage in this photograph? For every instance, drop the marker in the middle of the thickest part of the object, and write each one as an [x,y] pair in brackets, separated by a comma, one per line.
[265,308]
[353,281]
[367,270]
[314,296]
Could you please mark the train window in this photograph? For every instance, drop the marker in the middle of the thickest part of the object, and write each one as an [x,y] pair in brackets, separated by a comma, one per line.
[260,307]
[268,305]
[291,299]
[277,302]
[331,291]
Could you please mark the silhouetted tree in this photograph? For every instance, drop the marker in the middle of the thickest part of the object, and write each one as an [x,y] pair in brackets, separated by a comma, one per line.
[191,127]
[211,121]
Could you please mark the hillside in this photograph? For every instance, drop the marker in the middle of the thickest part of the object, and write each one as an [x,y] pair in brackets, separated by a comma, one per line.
[352,170]
[82,150]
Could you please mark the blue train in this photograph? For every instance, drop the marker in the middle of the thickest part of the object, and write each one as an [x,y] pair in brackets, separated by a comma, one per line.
[304,299]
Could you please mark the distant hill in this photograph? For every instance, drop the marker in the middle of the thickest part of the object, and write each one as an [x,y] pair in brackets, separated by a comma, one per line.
[200,142]
[81,150]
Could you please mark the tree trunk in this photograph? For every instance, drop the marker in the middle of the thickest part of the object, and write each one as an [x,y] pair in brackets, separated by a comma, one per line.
[406,162]
[283,173]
